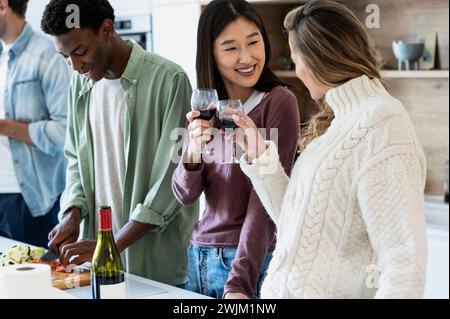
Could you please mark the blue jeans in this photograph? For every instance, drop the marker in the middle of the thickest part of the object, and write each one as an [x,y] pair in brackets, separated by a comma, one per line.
[17,223]
[208,270]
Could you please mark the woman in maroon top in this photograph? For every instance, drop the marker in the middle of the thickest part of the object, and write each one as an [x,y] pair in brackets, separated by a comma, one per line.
[232,243]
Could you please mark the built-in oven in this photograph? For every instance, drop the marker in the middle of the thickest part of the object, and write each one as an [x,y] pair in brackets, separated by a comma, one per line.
[138,28]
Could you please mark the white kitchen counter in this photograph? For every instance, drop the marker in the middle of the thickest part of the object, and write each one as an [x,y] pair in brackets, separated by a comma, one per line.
[137,287]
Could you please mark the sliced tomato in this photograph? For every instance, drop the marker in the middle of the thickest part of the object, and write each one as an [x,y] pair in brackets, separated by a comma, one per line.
[60,269]
[55,264]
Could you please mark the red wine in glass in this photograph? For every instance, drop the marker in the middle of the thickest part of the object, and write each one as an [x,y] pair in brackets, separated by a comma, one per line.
[226,109]
[207,114]
[227,124]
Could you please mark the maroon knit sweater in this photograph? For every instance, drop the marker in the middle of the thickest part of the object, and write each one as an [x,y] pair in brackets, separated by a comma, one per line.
[234,215]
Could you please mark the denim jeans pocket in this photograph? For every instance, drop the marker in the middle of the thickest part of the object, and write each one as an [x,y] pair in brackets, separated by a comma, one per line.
[226,257]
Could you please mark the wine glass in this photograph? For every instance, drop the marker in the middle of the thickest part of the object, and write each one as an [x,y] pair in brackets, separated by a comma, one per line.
[204,101]
[225,111]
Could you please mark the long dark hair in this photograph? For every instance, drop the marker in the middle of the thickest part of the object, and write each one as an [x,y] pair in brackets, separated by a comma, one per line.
[215,17]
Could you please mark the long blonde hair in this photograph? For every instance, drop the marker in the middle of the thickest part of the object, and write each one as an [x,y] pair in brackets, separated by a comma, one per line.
[335,46]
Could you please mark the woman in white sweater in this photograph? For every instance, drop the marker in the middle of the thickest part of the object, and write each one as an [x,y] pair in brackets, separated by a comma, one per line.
[350,220]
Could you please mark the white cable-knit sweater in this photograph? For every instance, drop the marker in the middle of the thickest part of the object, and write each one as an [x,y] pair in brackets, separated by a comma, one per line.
[350,220]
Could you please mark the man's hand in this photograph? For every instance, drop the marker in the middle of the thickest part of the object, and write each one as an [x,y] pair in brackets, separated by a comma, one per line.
[83,250]
[67,231]
[16,130]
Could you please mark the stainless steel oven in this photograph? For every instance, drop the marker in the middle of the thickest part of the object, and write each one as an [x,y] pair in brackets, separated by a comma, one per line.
[138,28]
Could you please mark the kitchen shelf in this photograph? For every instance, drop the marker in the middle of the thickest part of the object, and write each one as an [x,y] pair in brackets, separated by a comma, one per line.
[432,74]
[390,74]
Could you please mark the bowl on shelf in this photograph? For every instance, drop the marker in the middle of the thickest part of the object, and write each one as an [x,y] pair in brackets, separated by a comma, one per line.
[408,54]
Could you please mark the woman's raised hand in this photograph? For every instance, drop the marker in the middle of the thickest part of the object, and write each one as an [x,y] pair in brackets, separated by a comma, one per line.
[248,137]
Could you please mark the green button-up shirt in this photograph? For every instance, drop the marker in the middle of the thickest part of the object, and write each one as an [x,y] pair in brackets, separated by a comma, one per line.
[157,94]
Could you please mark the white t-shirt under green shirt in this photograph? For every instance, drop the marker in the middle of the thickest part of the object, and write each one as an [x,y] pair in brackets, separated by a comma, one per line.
[106,115]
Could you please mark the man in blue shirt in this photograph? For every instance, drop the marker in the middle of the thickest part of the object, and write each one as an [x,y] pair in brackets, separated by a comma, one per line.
[33,102]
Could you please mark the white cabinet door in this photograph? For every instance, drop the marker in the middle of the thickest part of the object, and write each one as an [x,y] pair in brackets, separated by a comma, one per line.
[437,285]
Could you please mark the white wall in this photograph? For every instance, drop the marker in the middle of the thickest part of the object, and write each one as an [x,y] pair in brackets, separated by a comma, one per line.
[175,32]
[34,13]
[175,25]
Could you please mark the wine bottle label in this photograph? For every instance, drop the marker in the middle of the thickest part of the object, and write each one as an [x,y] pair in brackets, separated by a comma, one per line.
[116,291]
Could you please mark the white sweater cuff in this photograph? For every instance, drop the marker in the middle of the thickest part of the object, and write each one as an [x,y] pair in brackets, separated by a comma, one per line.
[266,164]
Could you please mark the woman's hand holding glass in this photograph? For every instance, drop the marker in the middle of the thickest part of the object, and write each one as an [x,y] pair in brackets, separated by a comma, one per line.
[248,137]
[200,132]
[201,119]
[230,116]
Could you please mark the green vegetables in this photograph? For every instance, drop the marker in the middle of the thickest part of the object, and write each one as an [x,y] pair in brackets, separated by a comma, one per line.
[19,254]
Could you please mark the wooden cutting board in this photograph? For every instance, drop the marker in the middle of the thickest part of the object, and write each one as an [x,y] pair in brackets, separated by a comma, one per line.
[79,278]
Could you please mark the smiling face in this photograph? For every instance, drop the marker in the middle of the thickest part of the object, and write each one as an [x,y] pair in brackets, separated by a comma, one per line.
[239,54]
[87,52]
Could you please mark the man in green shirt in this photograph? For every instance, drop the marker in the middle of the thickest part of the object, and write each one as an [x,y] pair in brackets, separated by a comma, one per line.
[123,105]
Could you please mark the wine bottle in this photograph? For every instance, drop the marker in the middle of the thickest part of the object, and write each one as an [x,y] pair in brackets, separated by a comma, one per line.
[108,278]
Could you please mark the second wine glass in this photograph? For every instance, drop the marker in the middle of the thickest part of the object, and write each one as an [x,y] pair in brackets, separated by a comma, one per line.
[226,109]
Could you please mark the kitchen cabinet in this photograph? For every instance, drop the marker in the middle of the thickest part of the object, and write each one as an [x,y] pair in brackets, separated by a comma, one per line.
[437,279]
